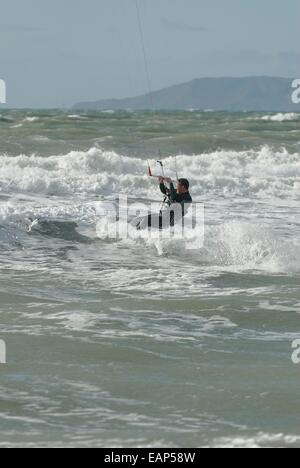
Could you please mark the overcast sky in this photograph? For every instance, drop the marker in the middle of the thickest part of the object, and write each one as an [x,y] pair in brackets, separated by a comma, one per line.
[54,53]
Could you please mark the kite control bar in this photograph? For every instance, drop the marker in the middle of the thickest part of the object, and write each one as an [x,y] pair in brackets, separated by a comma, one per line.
[162,176]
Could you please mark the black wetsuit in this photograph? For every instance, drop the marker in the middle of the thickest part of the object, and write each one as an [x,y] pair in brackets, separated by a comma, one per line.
[172,197]
[184,199]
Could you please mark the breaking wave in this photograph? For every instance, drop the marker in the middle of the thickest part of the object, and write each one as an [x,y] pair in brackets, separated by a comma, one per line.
[261,440]
[281,117]
[234,246]
[31,119]
[259,174]
[53,196]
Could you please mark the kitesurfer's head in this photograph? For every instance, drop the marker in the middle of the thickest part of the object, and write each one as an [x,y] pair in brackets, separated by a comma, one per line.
[183,186]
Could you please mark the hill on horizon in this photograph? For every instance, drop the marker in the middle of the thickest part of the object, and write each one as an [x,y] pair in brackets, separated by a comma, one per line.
[228,94]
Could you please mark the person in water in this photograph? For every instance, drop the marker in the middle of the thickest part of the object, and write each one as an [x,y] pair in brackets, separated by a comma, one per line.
[178,201]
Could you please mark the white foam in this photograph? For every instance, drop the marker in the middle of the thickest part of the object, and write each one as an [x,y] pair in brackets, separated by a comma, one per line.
[261,440]
[242,246]
[281,117]
[234,246]
[225,177]
[17,126]
[31,119]
[77,117]
[262,174]
[40,138]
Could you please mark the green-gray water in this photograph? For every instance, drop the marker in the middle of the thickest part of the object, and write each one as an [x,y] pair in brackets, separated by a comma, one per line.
[141,343]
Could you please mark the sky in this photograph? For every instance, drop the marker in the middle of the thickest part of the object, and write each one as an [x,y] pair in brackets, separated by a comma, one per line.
[54,53]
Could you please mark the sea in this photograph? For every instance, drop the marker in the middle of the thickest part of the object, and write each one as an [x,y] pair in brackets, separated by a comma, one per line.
[149,342]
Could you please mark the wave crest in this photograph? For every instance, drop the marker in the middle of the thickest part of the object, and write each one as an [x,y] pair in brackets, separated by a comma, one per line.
[259,174]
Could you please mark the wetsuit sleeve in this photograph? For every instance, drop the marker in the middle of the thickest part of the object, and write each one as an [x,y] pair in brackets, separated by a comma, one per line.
[173,194]
[163,189]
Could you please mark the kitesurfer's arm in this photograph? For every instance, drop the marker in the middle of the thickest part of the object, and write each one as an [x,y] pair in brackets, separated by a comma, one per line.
[162,186]
[173,194]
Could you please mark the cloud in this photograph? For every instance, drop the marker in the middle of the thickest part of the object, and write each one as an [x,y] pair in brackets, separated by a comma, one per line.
[182,26]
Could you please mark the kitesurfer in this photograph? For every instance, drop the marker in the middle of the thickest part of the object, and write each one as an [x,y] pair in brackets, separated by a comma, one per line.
[177,201]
